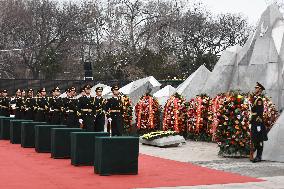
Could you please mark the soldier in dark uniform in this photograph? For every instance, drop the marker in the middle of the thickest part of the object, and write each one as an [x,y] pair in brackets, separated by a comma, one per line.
[50,111]
[56,107]
[99,105]
[5,103]
[86,110]
[23,95]
[258,130]
[42,107]
[64,101]
[70,104]
[73,92]
[30,105]
[114,112]
[82,91]
[18,103]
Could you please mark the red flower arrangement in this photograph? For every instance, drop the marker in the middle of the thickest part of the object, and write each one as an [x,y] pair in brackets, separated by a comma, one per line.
[233,133]
[270,114]
[175,114]
[147,112]
[226,119]
[198,117]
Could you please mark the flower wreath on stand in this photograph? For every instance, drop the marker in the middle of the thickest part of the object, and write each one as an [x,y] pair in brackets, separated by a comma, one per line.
[147,112]
[198,117]
[175,115]
[270,114]
[213,114]
[233,133]
[127,114]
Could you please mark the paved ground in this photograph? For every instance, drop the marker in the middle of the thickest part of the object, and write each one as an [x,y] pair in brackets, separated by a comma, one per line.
[206,154]
[270,183]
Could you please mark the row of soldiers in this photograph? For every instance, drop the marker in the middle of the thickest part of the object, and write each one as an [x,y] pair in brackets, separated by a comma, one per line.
[87,112]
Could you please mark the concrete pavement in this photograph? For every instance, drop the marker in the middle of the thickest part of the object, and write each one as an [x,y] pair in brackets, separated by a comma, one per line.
[206,155]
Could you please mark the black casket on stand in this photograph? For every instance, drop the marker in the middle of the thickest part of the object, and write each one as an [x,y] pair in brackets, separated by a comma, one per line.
[60,142]
[28,133]
[15,130]
[83,147]
[5,128]
[116,155]
[43,137]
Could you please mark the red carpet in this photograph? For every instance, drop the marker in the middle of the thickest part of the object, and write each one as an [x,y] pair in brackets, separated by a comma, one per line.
[25,169]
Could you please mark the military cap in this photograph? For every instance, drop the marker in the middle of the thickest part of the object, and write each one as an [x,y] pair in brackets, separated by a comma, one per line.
[31,90]
[258,85]
[18,90]
[56,89]
[4,91]
[87,86]
[115,87]
[99,89]
[42,90]
[72,89]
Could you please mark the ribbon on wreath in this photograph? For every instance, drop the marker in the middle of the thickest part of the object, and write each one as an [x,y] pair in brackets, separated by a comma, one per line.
[151,113]
[130,120]
[198,114]
[166,114]
[191,115]
[139,114]
[215,119]
[176,111]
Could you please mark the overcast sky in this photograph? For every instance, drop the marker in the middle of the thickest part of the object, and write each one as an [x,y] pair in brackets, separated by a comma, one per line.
[252,9]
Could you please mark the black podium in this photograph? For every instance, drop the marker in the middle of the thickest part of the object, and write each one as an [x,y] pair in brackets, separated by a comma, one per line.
[60,142]
[1,123]
[116,155]
[28,133]
[15,130]
[43,137]
[5,128]
[83,146]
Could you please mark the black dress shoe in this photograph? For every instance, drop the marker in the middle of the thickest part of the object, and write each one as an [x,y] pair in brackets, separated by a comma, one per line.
[256,160]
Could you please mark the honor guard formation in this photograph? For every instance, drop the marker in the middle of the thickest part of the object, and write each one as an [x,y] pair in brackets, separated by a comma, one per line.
[87,112]
[91,113]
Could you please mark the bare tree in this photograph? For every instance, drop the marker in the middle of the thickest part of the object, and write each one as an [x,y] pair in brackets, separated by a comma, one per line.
[202,37]
[125,39]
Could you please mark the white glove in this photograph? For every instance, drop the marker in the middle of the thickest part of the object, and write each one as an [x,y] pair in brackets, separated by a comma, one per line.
[13,106]
[109,119]
[80,121]
[258,128]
